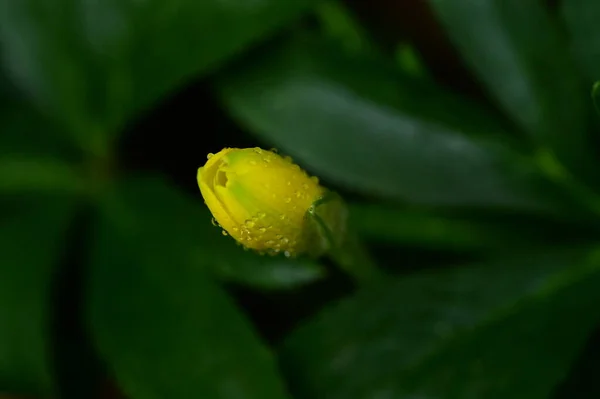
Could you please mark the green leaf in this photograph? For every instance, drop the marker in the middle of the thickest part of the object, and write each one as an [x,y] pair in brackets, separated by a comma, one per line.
[31,244]
[36,175]
[24,131]
[460,230]
[164,328]
[32,159]
[596,96]
[94,63]
[517,52]
[267,273]
[504,330]
[357,123]
[581,18]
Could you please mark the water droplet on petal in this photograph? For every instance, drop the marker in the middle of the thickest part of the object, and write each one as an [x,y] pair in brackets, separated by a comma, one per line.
[210,155]
[262,230]
[250,223]
[287,254]
[261,215]
[275,150]
[288,200]
[214,222]
[253,162]
[305,186]
[289,183]
[224,233]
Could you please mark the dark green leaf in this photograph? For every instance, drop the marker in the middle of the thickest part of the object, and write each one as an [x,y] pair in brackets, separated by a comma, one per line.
[265,273]
[459,230]
[35,175]
[164,328]
[516,50]
[31,243]
[596,96]
[24,131]
[581,17]
[504,330]
[32,159]
[355,122]
[95,62]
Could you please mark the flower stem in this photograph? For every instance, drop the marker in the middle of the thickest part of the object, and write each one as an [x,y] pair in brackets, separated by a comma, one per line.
[342,244]
[354,259]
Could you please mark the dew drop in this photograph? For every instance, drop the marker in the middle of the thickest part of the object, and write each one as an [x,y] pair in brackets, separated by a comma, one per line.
[285,240]
[282,217]
[299,194]
[224,233]
[258,150]
[250,223]
[289,183]
[253,162]
[262,230]
[275,150]
[261,215]
[305,186]
[236,229]
[288,200]
[270,243]
[287,254]
[210,155]
[214,222]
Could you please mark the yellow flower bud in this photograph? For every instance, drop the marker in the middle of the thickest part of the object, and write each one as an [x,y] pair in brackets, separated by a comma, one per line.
[261,199]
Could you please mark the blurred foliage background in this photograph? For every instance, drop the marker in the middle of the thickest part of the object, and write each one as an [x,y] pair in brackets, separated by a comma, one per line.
[461,133]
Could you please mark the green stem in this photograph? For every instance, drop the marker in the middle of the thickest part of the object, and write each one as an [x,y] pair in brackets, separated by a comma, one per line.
[354,259]
[342,244]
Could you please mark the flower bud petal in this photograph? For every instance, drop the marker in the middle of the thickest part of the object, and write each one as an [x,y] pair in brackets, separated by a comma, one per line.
[260,198]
